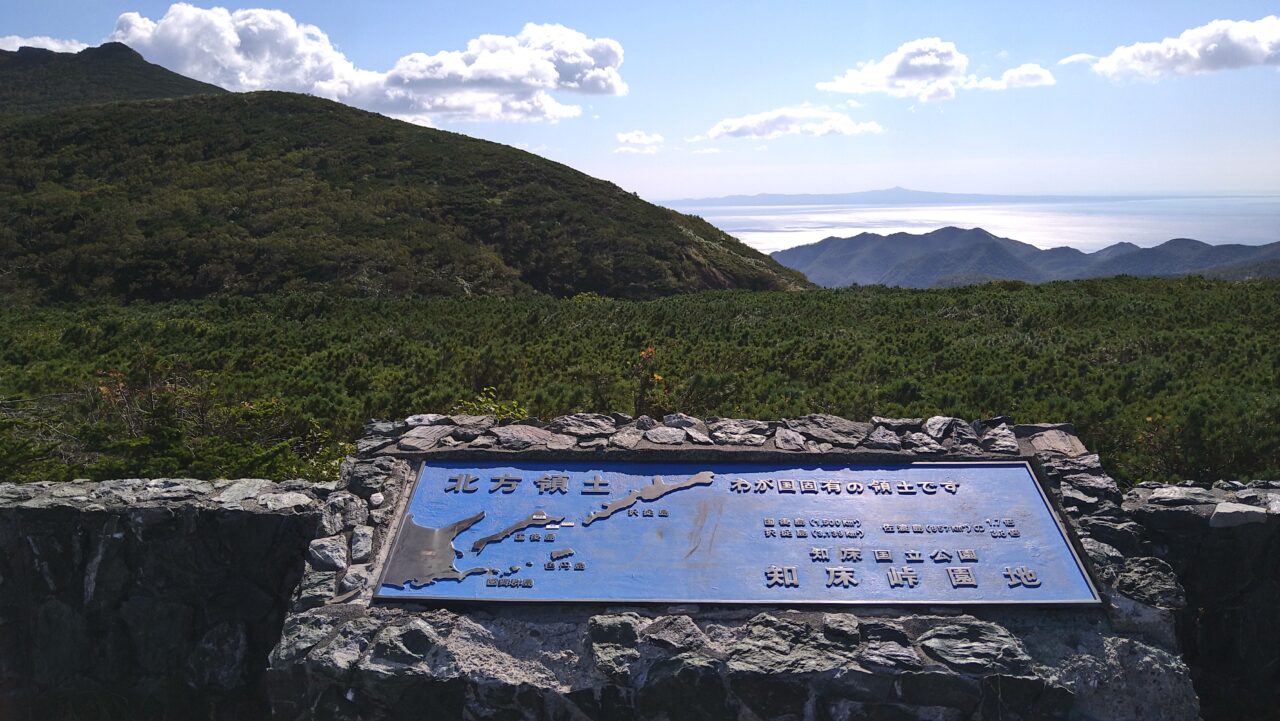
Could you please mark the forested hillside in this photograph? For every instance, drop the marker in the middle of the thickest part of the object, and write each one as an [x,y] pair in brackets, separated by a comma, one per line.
[241,194]
[1168,379]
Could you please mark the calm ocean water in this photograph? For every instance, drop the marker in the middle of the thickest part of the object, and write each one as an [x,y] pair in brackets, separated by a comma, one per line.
[1089,226]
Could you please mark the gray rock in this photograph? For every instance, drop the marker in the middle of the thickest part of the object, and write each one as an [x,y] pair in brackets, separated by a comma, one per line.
[923,444]
[482,423]
[593,444]
[1100,485]
[882,439]
[424,438]
[328,554]
[999,440]
[1230,515]
[697,436]
[376,500]
[1177,496]
[361,544]
[680,420]
[584,425]
[774,645]
[1055,441]
[676,633]
[786,439]
[520,437]
[371,444]
[645,423]
[889,655]
[939,427]
[976,647]
[665,435]
[357,578]
[739,432]
[343,511]
[830,429]
[245,489]
[286,501]
[627,438]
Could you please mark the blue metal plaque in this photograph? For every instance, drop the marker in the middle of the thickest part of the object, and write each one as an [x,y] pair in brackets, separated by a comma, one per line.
[932,533]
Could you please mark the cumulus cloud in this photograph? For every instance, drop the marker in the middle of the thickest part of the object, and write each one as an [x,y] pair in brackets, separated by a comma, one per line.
[1219,45]
[496,77]
[639,137]
[803,120]
[928,69]
[13,42]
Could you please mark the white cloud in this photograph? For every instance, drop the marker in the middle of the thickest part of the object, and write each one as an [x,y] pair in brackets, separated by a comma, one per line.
[1078,58]
[639,137]
[637,149]
[707,151]
[496,77]
[1219,45]
[928,69]
[802,120]
[13,42]
[1023,76]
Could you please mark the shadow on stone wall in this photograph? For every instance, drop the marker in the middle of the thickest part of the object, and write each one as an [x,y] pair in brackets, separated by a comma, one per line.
[1224,544]
[140,599]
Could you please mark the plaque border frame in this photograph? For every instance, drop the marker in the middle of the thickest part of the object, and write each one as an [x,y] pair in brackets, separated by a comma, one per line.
[1055,511]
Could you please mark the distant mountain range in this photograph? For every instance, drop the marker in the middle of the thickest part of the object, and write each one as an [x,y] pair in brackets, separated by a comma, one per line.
[890,196]
[959,256]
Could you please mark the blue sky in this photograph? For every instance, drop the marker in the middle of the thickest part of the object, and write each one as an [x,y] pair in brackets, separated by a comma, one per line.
[733,88]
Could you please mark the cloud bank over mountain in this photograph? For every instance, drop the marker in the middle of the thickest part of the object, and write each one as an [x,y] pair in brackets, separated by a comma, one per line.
[497,77]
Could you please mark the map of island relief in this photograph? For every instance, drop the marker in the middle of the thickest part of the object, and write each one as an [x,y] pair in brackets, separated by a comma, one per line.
[731,533]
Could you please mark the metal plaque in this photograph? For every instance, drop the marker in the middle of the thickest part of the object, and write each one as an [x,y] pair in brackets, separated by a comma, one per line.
[932,533]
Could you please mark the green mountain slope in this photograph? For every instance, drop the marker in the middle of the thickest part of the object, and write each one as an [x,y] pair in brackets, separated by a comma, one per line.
[247,193]
[33,80]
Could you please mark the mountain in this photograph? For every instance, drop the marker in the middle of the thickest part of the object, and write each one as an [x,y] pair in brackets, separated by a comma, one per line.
[33,80]
[887,196]
[958,256]
[232,194]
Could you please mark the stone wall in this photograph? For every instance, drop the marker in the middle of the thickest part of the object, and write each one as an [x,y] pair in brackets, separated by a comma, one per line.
[179,599]
[343,657]
[1223,541]
[145,599]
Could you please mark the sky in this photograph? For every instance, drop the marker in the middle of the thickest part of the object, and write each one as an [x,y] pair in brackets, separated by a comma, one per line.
[679,100]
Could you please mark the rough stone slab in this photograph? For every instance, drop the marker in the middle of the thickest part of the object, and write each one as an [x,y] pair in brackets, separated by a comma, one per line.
[788,440]
[665,435]
[1178,496]
[999,440]
[1056,441]
[831,429]
[520,437]
[739,432]
[328,554]
[1230,515]
[584,425]
[424,437]
[882,439]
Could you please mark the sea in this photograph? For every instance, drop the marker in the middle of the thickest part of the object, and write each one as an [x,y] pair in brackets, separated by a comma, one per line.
[1087,224]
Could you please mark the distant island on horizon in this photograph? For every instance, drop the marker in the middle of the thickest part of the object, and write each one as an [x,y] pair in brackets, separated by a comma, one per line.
[906,196]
